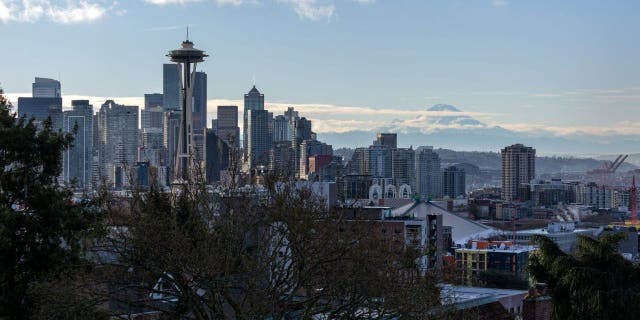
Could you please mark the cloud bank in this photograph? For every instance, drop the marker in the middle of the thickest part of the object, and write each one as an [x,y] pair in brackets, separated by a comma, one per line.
[62,12]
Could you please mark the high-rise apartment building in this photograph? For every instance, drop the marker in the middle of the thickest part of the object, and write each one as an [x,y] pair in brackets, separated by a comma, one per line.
[254,100]
[200,102]
[78,158]
[428,174]
[518,167]
[171,93]
[227,125]
[46,88]
[453,182]
[259,137]
[117,138]
[403,167]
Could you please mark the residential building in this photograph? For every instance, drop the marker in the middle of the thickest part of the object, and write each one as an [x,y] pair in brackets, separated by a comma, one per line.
[479,256]
[518,167]
[403,167]
[453,182]
[428,174]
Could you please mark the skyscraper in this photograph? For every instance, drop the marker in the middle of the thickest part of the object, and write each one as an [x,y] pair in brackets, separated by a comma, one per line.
[380,160]
[152,100]
[216,156]
[200,102]
[254,100]
[45,102]
[280,129]
[301,132]
[46,88]
[387,139]
[118,140]
[78,159]
[403,167]
[40,109]
[311,148]
[171,132]
[429,174]
[359,163]
[453,182]
[171,93]
[281,159]
[259,137]
[518,167]
[227,125]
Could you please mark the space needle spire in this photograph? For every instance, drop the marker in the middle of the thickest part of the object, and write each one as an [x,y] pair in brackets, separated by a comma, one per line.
[187,57]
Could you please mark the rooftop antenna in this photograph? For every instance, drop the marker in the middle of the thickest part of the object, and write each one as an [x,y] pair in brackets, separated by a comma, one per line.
[187,32]
[254,80]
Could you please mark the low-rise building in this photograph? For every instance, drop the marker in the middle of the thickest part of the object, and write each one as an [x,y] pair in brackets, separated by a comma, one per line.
[501,256]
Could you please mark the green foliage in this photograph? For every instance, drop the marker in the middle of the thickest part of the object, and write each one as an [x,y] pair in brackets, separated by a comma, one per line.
[595,283]
[40,226]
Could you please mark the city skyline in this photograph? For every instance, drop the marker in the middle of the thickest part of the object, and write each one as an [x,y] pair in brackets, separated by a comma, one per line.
[572,68]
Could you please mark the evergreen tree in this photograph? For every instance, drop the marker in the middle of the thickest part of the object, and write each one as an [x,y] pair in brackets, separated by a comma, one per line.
[594,283]
[41,227]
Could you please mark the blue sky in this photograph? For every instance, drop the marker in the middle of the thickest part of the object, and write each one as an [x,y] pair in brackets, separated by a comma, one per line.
[567,67]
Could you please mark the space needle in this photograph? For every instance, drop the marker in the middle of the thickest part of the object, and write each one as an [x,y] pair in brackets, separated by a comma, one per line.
[187,58]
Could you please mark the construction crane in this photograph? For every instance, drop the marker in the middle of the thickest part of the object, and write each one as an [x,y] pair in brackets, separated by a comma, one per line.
[605,172]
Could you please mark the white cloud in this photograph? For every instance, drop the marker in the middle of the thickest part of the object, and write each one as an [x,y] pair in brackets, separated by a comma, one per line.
[63,12]
[311,9]
[329,118]
[306,9]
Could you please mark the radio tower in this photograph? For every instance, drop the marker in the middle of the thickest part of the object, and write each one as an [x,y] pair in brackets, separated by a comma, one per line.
[187,57]
[633,203]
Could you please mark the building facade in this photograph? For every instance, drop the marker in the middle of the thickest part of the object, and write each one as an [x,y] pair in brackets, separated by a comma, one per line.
[254,100]
[118,140]
[518,167]
[453,182]
[428,174]
[78,159]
